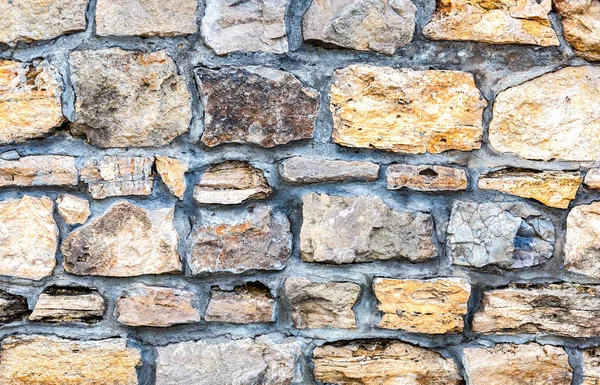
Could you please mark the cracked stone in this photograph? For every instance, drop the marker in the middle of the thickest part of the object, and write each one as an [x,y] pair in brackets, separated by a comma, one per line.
[582,245]
[303,170]
[13,308]
[172,172]
[244,304]
[112,176]
[39,170]
[74,210]
[69,304]
[425,177]
[581,26]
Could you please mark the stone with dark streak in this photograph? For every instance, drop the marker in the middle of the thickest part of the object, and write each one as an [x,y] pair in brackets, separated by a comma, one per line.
[13,307]
[69,304]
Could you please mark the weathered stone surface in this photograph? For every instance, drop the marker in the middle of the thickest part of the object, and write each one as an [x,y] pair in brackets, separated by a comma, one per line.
[261,360]
[591,366]
[581,26]
[552,188]
[30,105]
[509,364]
[251,26]
[408,111]
[425,177]
[146,18]
[30,20]
[39,170]
[172,172]
[230,183]
[155,306]
[299,170]
[340,230]
[69,304]
[382,362]
[256,240]
[244,304]
[592,179]
[364,25]
[46,360]
[582,247]
[322,304]
[510,235]
[112,176]
[555,116]
[561,309]
[434,306]
[74,210]
[127,240]
[128,99]
[13,307]
[257,105]
[500,22]
[28,237]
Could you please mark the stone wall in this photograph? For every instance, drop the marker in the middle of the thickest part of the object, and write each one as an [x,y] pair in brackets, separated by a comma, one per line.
[358,192]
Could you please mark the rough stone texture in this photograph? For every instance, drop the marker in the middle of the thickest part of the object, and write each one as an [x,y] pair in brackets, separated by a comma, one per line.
[552,188]
[127,240]
[560,309]
[146,18]
[591,369]
[301,170]
[425,177]
[250,26]
[28,237]
[592,179]
[172,172]
[224,362]
[382,362]
[69,304]
[581,26]
[403,110]
[230,183]
[74,210]
[555,116]
[112,176]
[13,308]
[49,360]
[340,230]
[30,105]
[243,305]
[156,307]
[509,364]
[39,170]
[31,20]
[498,22]
[436,306]
[322,304]
[128,99]
[257,105]
[256,240]
[582,246]
[510,235]
[365,25]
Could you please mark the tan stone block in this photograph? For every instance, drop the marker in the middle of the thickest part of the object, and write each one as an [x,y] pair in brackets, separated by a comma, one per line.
[244,304]
[172,172]
[581,26]
[69,304]
[74,210]
[425,177]
[39,170]
[582,245]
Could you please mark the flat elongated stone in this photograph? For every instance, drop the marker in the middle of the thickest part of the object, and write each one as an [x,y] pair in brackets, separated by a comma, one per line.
[28,237]
[39,170]
[261,360]
[172,172]
[244,304]
[365,25]
[155,306]
[582,246]
[562,309]
[510,364]
[74,210]
[581,26]
[250,26]
[340,230]
[403,110]
[435,306]
[300,170]
[48,360]
[500,22]
[322,304]
[146,18]
[112,176]
[230,183]
[30,105]
[30,20]
[555,116]
[592,179]
[510,235]
[257,105]
[425,177]
[591,366]
[125,241]
[382,362]
[13,308]
[69,304]
[552,188]
[128,99]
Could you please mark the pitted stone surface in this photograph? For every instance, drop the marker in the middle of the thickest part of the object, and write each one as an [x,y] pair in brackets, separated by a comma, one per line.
[244,304]
[13,308]
[425,177]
